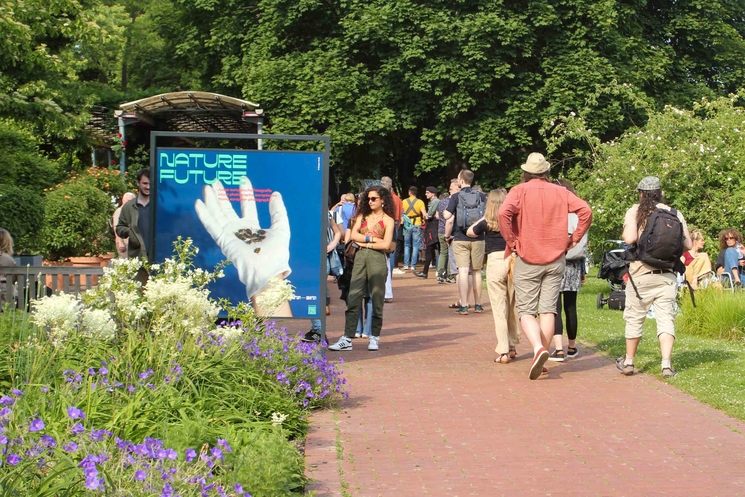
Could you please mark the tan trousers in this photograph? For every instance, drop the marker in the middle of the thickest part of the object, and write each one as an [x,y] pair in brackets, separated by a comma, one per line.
[502,298]
[699,266]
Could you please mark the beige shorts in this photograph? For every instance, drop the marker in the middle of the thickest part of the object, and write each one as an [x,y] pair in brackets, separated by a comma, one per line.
[657,289]
[537,286]
[469,254]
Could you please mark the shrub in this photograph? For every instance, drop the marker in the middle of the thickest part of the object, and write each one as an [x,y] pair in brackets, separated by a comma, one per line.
[23,164]
[696,154]
[718,314]
[22,214]
[76,221]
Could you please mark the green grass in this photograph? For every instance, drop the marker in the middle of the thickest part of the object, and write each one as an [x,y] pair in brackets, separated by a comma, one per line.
[710,369]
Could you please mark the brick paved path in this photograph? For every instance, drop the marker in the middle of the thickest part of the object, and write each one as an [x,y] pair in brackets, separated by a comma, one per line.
[431,414]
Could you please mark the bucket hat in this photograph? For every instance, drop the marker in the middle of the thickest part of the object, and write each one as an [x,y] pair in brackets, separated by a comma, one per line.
[649,184]
[536,164]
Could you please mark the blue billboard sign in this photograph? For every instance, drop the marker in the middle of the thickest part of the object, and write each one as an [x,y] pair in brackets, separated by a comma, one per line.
[262,210]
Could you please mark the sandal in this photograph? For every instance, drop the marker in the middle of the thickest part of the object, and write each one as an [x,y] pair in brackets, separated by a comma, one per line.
[513,353]
[456,305]
[502,359]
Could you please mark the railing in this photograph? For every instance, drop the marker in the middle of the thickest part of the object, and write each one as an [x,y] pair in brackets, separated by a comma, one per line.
[54,279]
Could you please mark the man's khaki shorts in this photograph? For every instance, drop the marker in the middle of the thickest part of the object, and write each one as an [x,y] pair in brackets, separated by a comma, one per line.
[469,254]
[537,286]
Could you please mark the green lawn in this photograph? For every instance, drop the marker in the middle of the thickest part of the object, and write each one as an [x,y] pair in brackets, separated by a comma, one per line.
[712,370]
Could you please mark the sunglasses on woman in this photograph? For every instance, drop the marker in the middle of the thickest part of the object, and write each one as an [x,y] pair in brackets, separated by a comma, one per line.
[372,199]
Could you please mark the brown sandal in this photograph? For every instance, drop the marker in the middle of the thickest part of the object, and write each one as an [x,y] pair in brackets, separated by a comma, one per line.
[513,353]
[502,359]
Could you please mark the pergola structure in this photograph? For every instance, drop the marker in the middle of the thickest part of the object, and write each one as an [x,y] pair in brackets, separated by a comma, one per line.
[191,111]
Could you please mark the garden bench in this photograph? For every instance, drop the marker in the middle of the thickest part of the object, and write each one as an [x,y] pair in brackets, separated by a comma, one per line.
[54,279]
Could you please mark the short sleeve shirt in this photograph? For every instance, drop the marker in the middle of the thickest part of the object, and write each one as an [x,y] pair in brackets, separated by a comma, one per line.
[459,234]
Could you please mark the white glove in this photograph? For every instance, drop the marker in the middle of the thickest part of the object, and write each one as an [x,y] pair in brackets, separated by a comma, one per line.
[256,262]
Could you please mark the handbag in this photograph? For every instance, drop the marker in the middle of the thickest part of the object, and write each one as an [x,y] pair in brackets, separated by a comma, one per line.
[350,250]
[333,264]
[391,247]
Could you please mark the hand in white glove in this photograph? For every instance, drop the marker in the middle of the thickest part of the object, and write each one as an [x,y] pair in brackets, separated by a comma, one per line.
[256,262]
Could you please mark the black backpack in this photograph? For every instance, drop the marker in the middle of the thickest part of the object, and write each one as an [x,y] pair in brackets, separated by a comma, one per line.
[470,208]
[661,243]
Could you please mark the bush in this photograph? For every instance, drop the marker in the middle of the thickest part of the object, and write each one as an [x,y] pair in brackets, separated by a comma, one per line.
[76,219]
[129,387]
[22,214]
[718,314]
[695,153]
[23,164]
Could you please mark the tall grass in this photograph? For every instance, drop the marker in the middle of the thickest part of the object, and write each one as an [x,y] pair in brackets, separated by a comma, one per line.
[718,314]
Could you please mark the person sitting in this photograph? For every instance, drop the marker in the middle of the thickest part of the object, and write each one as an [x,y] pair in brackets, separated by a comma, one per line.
[731,259]
[697,263]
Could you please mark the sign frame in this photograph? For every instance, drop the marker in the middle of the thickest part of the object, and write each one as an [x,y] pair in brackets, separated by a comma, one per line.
[326,140]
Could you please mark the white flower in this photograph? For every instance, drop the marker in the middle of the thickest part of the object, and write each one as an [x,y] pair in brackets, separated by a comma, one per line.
[97,323]
[57,314]
[278,418]
[277,293]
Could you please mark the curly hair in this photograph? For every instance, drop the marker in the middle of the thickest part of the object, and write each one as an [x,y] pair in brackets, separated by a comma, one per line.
[6,242]
[648,200]
[384,194]
[725,233]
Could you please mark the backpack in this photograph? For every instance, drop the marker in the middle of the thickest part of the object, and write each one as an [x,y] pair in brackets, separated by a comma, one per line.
[661,243]
[407,222]
[470,208]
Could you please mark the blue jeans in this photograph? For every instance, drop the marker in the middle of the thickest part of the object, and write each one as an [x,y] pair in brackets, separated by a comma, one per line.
[731,257]
[412,238]
[315,325]
[364,324]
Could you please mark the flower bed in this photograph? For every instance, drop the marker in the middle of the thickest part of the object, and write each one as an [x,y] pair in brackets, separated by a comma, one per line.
[132,391]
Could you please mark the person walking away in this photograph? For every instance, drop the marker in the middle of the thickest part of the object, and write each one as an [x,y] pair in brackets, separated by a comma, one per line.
[533,220]
[413,219]
[574,277]
[134,223]
[429,236]
[498,279]
[373,231]
[121,243]
[658,235]
[464,210]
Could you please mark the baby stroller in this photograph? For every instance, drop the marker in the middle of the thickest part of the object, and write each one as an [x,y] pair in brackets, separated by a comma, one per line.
[613,268]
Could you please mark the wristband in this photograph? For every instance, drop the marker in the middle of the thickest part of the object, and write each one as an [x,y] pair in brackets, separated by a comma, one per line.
[367,239]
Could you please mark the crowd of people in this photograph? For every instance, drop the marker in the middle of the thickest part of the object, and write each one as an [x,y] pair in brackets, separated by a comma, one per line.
[533,241]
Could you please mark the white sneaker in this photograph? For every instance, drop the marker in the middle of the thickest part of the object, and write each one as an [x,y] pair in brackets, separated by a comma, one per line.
[398,271]
[405,268]
[373,343]
[358,334]
[344,343]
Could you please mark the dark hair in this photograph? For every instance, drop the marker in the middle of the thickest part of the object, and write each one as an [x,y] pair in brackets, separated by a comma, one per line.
[143,172]
[384,194]
[530,176]
[648,200]
[467,176]
[413,190]
[565,184]
[723,237]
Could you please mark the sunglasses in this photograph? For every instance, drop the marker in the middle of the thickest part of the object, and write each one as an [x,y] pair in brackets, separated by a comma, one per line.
[372,199]
[729,237]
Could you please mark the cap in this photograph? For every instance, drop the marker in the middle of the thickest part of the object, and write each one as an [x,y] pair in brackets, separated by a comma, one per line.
[649,184]
[432,189]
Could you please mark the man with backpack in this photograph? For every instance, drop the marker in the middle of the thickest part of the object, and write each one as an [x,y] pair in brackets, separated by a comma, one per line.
[464,209]
[658,235]
[533,220]
[413,218]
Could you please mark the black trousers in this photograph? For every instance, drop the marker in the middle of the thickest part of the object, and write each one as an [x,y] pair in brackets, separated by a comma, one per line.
[570,309]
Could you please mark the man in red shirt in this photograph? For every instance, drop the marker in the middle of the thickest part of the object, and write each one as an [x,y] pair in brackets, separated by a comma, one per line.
[533,221]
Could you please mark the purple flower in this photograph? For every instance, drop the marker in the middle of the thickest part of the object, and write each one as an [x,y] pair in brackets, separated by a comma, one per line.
[77,429]
[131,389]
[91,371]
[216,453]
[190,455]
[93,483]
[16,392]
[238,488]
[171,454]
[140,475]
[7,401]
[36,425]
[224,444]
[70,447]
[44,389]
[13,459]
[75,413]
[48,441]
[4,412]
[103,371]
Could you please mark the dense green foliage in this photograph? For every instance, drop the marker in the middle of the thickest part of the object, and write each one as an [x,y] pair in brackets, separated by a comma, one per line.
[698,155]
[718,313]
[403,87]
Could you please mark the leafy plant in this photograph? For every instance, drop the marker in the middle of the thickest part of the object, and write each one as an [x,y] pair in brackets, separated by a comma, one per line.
[22,214]
[718,314]
[75,221]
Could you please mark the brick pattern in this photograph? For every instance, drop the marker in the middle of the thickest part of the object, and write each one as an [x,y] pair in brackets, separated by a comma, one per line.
[431,414]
